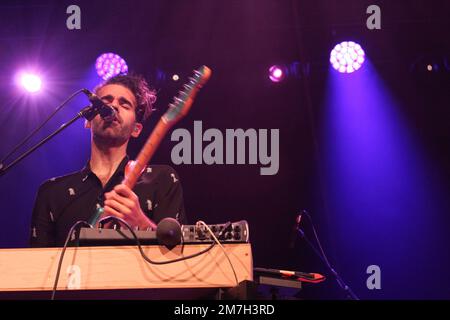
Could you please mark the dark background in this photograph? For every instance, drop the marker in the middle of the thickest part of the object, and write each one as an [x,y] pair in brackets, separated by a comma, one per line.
[239,41]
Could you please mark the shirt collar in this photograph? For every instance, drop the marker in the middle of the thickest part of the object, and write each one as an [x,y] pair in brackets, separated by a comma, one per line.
[86,171]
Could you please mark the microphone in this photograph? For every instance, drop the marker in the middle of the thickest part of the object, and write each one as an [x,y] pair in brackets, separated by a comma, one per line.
[168,232]
[97,106]
[295,230]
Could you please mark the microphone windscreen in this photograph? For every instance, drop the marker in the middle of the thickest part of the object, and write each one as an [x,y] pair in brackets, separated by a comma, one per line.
[107,113]
[168,232]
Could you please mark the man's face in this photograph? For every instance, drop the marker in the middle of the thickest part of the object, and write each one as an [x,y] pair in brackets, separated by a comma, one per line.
[118,131]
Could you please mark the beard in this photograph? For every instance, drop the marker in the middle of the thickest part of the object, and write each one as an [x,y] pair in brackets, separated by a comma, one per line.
[110,133]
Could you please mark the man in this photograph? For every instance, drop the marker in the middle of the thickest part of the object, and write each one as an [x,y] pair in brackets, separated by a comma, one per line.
[63,201]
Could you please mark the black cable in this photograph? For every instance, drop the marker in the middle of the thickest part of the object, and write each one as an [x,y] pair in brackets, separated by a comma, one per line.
[39,128]
[168,261]
[324,259]
[69,235]
[3,170]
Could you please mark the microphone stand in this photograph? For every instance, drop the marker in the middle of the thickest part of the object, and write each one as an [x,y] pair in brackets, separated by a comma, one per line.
[350,294]
[88,112]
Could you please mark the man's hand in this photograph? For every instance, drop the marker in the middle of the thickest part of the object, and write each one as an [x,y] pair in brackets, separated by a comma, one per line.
[123,203]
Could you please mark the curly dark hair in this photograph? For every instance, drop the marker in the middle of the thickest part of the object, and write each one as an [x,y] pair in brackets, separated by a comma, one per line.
[145,96]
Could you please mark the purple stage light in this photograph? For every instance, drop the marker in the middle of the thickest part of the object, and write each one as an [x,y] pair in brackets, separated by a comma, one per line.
[276,73]
[109,65]
[347,57]
[31,82]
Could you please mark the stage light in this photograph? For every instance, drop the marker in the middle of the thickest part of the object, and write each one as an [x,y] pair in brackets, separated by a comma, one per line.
[430,64]
[276,73]
[175,77]
[109,65]
[31,82]
[434,67]
[347,57]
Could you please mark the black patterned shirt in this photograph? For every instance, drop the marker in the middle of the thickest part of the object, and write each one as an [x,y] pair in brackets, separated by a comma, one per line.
[62,201]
